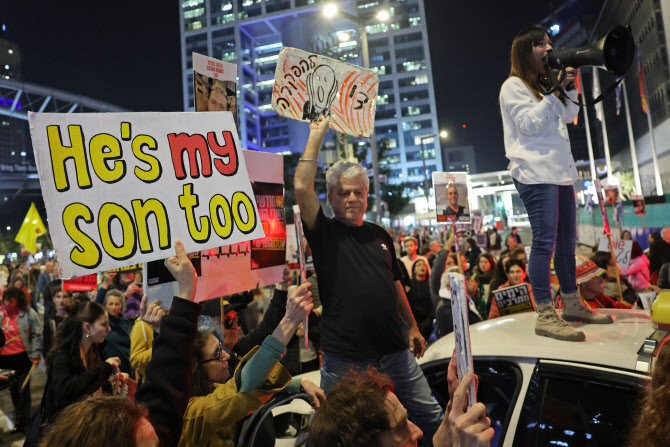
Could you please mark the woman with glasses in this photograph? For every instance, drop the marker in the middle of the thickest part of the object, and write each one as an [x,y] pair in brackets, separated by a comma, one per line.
[543,170]
[216,405]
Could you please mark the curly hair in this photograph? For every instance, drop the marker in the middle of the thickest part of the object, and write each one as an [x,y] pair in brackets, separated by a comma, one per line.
[18,294]
[96,421]
[651,426]
[355,411]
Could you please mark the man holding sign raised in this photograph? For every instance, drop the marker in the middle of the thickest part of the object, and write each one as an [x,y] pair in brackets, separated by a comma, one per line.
[359,283]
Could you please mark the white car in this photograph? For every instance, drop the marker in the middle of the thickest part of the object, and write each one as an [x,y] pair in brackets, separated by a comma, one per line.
[539,391]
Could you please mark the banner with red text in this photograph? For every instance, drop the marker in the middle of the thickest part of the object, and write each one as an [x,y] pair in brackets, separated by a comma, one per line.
[120,188]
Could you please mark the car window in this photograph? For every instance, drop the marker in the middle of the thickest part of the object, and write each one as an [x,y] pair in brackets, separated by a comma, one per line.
[499,385]
[575,406]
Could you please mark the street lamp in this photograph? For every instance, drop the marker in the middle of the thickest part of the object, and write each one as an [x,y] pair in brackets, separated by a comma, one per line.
[426,182]
[330,10]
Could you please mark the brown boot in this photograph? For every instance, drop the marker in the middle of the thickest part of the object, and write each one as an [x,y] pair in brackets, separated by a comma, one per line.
[574,310]
[549,324]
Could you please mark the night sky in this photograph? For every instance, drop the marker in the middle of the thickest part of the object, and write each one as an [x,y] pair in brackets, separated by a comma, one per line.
[127,53]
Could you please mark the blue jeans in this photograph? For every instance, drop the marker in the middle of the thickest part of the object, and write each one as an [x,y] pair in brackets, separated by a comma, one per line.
[553,221]
[411,385]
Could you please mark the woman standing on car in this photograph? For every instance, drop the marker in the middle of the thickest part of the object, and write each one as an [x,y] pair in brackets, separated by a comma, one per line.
[543,170]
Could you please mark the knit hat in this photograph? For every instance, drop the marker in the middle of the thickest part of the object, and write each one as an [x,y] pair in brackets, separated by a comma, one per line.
[587,269]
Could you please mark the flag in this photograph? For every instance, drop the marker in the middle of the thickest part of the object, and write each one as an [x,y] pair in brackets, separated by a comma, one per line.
[640,76]
[618,99]
[589,204]
[596,93]
[31,228]
[578,84]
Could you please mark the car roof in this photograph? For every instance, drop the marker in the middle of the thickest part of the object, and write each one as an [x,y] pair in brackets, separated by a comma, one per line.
[612,345]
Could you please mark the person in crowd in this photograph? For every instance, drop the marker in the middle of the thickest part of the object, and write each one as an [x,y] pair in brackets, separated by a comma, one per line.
[664,276]
[627,294]
[482,274]
[22,349]
[118,339]
[452,261]
[141,342]
[363,298]
[516,272]
[443,314]
[435,248]
[75,366]
[300,359]
[156,419]
[472,252]
[510,244]
[362,409]
[411,246]
[637,273]
[128,282]
[18,280]
[517,237]
[543,171]
[591,282]
[659,250]
[216,404]
[45,278]
[418,297]
[495,243]
[55,316]
[499,278]
[626,236]
[650,427]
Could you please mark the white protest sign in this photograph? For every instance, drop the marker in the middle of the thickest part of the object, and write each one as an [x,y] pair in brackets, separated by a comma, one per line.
[309,85]
[452,198]
[120,188]
[242,266]
[459,311]
[622,250]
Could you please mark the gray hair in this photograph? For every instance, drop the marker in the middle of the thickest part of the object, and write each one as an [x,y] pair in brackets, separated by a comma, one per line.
[116,292]
[346,169]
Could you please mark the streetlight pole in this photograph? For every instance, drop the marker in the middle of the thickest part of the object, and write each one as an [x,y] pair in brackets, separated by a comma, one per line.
[425,171]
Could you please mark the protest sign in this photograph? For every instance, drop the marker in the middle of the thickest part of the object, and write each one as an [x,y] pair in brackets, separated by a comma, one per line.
[622,250]
[214,85]
[639,205]
[243,266]
[308,86]
[120,188]
[451,196]
[459,309]
[612,194]
[87,283]
[513,300]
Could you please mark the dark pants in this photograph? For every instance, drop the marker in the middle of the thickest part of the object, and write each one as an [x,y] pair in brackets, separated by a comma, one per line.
[20,399]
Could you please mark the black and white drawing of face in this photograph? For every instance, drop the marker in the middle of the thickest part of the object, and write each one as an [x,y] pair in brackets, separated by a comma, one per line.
[322,87]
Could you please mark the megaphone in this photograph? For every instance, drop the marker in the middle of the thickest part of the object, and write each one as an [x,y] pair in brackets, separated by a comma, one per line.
[614,52]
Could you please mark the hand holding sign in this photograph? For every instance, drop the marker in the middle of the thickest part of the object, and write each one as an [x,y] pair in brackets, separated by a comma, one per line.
[183,271]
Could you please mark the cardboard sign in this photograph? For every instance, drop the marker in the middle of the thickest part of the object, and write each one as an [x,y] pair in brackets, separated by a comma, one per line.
[639,205]
[459,309]
[120,188]
[87,283]
[239,267]
[452,202]
[125,388]
[513,300]
[308,86]
[622,250]
[214,85]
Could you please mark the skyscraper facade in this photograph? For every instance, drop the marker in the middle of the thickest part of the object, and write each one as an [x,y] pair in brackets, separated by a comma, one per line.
[250,34]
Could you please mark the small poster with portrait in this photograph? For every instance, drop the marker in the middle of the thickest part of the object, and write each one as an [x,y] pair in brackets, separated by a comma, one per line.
[215,85]
[452,202]
[612,194]
[639,205]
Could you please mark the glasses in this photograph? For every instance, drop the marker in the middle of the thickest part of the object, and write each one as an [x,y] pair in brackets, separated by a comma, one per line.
[229,322]
[218,356]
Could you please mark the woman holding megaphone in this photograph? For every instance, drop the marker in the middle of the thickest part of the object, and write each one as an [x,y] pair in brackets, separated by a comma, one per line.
[543,169]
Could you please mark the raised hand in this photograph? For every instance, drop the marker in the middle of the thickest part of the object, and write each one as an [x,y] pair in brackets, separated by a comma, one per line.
[151,314]
[183,271]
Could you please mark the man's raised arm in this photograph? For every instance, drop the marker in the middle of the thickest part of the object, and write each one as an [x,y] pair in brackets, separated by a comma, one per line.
[306,171]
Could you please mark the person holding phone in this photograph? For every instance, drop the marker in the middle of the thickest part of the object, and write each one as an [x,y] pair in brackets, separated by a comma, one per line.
[543,169]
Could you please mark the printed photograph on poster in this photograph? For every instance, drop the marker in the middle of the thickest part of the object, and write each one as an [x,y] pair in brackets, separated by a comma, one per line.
[271,250]
[451,196]
[120,188]
[292,257]
[513,300]
[639,205]
[612,194]
[215,85]
[308,86]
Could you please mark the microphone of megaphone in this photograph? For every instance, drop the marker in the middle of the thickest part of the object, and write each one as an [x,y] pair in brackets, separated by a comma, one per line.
[614,52]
